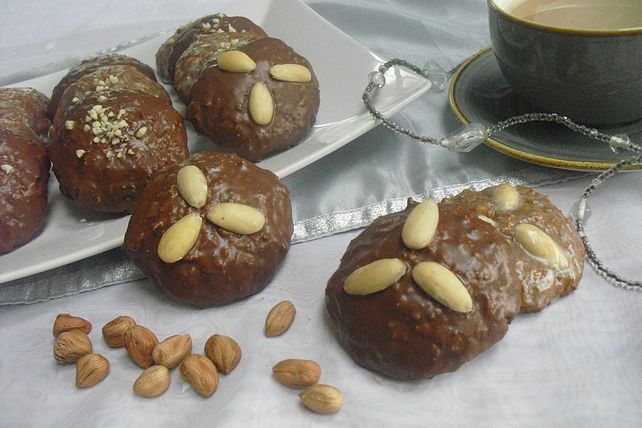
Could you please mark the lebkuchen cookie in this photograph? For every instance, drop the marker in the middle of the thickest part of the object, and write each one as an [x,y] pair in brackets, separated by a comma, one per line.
[249,93]
[211,230]
[421,292]
[113,128]
[24,165]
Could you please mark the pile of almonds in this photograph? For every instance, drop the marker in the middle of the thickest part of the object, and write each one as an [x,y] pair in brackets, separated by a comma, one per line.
[157,358]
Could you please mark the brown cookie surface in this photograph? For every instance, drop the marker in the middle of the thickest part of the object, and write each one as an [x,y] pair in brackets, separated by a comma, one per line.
[105,152]
[222,266]
[171,50]
[90,65]
[506,207]
[402,331]
[25,105]
[220,100]
[106,82]
[204,50]
[24,173]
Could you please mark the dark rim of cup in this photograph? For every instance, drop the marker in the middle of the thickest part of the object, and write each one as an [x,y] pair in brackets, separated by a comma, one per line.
[570,31]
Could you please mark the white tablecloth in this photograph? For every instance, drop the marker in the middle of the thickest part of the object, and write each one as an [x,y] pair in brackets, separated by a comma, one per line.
[576,364]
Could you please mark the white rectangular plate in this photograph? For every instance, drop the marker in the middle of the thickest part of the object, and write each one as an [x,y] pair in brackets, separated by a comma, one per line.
[342,66]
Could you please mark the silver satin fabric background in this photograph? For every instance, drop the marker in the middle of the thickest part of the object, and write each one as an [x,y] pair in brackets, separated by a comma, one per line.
[374,174]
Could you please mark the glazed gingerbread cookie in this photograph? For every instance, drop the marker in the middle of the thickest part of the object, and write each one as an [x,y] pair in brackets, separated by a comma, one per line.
[24,165]
[106,150]
[422,291]
[90,65]
[27,106]
[202,53]
[211,230]
[550,253]
[258,100]
[171,50]
[24,173]
[106,82]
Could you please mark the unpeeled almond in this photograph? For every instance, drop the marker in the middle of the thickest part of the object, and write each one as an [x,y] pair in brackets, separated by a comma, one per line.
[140,343]
[280,318]
[322,398]
[201,373]
[152,382]
[224,352]
[171,351]
[66,322]
[296,373]
[91,369]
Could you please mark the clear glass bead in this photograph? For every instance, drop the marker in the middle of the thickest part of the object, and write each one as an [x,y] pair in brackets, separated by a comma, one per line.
[465,138]
[377,78]
[437,76]
[619,143]
[580,210]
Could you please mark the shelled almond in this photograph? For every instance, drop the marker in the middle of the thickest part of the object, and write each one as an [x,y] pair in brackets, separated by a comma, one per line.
[171,351]
[66,322]
[224,352]
[140,343]
[114,331]
[71,345]
[91,369]
[280,318]
[297,373]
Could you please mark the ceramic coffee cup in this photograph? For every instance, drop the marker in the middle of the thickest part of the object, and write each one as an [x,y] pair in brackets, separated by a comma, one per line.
[579,58]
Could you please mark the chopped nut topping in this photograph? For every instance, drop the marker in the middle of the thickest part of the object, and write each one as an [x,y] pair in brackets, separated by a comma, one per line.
[141,132]
[206,26]
[100,88]
[70,124]
[7,168]
[113,79]
[231,29]
[75,99]
[107,128]
[80,153]
[102,98]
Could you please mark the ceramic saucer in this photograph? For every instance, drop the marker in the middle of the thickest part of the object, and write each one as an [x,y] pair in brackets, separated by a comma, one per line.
[479,93]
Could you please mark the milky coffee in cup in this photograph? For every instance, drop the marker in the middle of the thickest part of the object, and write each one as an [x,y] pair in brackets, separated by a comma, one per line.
[579,58]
